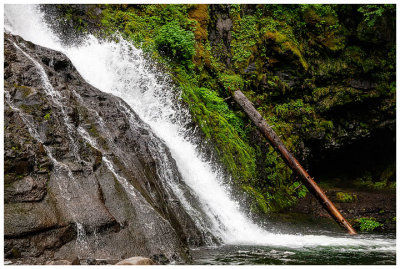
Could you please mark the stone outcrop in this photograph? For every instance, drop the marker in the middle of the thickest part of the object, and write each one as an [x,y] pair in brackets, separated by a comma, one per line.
[136,261]
[81,169]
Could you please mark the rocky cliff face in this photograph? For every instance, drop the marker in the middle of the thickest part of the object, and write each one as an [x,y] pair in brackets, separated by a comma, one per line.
[82,171]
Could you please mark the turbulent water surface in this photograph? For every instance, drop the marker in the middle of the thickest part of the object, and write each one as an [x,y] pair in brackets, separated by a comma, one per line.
[120,69]
[318,255]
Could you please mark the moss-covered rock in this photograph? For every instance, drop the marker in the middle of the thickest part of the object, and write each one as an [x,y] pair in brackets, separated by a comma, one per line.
[345,197]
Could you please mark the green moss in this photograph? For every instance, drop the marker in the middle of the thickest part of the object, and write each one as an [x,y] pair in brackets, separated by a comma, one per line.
[199,13]
[245,36]
[26,90]
[367,181]
[47,116]
[93,131]
[345,197]
[286,44]
[16,148]
[335,96]
[324,26]
[222,127]
[231,82]
[260,204]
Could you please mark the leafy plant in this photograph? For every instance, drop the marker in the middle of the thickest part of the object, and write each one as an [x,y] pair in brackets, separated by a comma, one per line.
[371,13]
[300,189]
[368,224]
[177,43]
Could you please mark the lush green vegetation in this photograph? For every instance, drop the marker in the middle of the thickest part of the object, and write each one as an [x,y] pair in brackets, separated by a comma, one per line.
[175,42]
[317,73]
[368,224]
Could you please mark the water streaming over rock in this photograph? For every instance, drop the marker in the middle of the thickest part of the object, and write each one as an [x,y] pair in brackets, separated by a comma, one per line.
[120,69]
[106,187]
[60,170]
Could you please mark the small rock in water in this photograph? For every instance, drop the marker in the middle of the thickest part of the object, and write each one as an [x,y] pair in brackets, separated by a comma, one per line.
[136,261]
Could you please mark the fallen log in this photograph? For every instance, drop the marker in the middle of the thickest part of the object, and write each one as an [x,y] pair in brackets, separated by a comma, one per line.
[273,138]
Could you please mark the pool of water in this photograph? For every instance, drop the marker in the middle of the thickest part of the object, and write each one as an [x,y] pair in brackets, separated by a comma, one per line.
[318,255]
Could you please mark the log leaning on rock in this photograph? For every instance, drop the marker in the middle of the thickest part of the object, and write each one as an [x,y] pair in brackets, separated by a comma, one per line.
[273,138]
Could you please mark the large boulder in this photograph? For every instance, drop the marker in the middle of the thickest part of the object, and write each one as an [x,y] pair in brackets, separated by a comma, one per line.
[81,168]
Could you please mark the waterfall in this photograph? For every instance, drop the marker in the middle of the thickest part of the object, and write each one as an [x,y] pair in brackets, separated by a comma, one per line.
[120,69]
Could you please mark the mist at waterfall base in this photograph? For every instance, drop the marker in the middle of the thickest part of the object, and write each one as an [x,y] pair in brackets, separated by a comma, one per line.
[120,69]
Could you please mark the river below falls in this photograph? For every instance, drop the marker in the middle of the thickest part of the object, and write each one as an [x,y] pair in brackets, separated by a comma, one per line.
[319,255]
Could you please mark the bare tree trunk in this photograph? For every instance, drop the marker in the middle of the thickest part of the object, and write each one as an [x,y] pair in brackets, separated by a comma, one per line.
[272,137]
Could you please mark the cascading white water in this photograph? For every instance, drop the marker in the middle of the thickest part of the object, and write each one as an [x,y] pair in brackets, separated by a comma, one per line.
[120,69]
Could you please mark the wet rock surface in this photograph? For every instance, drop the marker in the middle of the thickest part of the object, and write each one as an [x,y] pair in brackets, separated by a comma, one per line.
[81,169]
[220,32]
[136,261]
[76,261]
